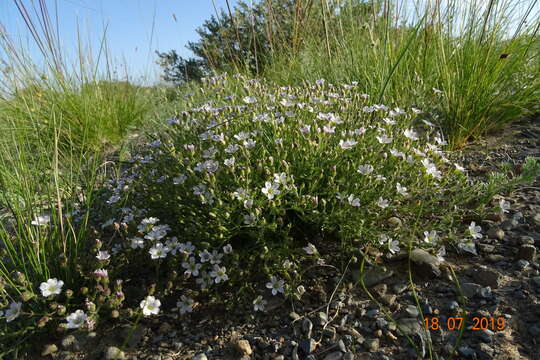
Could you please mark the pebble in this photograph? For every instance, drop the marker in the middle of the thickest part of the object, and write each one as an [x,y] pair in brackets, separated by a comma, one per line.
[399,288]
[522,264]
[375,275]
[485,335]
[509,224]
[372,345]
[536,281]
[348,356]
[394,222]
[526,240]
[536,219]
[466,352]
[527,252]
[49,350]
[409,326]
[294,316]
[322,318]
[388,299]
[243,347]
[494,258]
[336,355]
[426,262]
[470,289]
[495,233]
[341,346]
[200,356]
[487,277]
[114,353]
[411,311]
[307,346]
[485,351]
[486,248]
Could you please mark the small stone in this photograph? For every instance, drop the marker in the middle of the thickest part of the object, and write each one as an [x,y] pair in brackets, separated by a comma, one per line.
[485,292]
[470,290]
[294,353]
[485,335]
[348,356]
[509,224]
[329,332]
[399,288]
[114,353]
[411,311]
[536,219]
[453,305]
[527,252]
[243,347]
[336,355]
[380,289]
[485,352]
[294,316]
[307,346]
[307,327]
[486,248]
[495,233]
[409,326]
[487,277]
[426,262]
[526,240]
[375,275]
[522,264]
[494,258]
[165,328]
[372,345]
[68,341]
[49,350]
[466,352]
[388,299]
[322,318]
[342,347]
[359,338]
[536,281]
[534,330]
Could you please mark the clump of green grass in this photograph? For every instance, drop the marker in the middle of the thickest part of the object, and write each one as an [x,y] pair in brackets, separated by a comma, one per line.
[481,56]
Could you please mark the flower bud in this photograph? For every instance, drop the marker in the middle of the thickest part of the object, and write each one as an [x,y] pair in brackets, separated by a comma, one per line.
[69,293]
[43,321]
[26,296]
[115,314]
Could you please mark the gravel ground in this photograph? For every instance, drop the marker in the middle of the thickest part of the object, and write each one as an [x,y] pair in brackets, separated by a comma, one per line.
[337,319]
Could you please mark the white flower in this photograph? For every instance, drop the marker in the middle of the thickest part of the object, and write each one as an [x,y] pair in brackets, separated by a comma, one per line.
[305,129]
[137,242]
[475,230]
[205,256]
[365,169]
[415,110]
[103,255]
[230,161]
[158,251]
[270,190]
[150,306]
[393,246]
[215,257]
[232,148]
[249,143]
[300,290]
[204,280]
[13,311]
[76,320]
[459,167]
[276,284]
[188,248]
[329,129]
[384,139]
[147,223]
[227,249]
[439,140]
[185,305]
[504,206]
[219,274]
[51,287]
[347,144]
[437,91]
[173,245]
[430,236]
[179,179]
[41,220]
[310,249]
[192,268]
[287,264]
[382,203]
[383,238]
[411,134]
[401,189]
[389,121]
[249,99]
[258,303]
[431,169]
[280,178]
[353,201]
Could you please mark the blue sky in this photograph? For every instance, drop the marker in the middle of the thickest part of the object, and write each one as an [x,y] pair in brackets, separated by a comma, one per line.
[130,24]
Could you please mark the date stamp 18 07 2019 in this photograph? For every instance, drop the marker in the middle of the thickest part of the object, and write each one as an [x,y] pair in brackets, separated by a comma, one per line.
[456,323]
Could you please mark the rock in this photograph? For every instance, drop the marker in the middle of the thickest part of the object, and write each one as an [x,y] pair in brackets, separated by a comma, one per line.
[307,346]
[534,330]
[348,356]
[484,335]
[399,288]
[294,353]
[527,252]
[375,275]
[307,327]
[536,219]
[380,289]
[329,332]
[536,281]
[114,353]
[69,341]
[487,277]
[409,326]
[372,345]
[485,293]
[486,248]
[485,352]
[411,311]
[522,264]
[495,233]
[200,356]
[294,316]
[495,258]
[243,347]
[341,346]
[453,305]
[164,328]
[322,318]
[49,350]
[470,290]
[466,352]
[336,355]
[359,338]
[388,299]
[509,224]
[526,240]
[426,262]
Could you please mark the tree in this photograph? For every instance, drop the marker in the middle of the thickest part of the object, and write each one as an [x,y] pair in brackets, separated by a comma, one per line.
[178,70]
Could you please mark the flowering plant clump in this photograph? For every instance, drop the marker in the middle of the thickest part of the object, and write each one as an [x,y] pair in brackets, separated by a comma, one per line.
[241,190]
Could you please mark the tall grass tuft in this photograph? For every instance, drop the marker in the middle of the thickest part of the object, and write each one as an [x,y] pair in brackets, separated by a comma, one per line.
[482,56]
